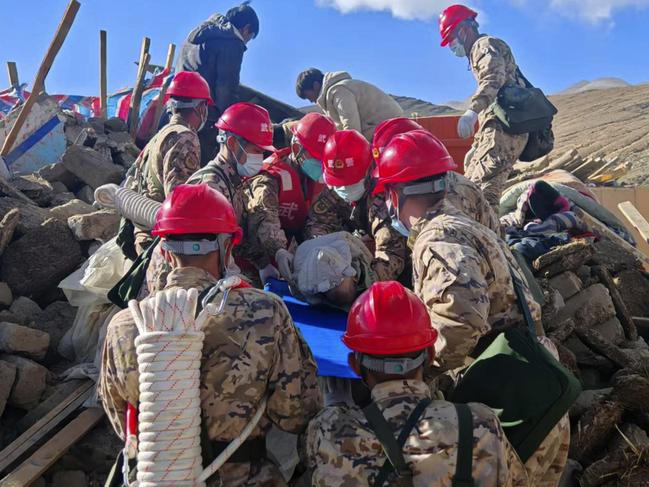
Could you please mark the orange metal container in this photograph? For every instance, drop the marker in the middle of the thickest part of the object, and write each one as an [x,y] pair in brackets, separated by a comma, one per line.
[445,128]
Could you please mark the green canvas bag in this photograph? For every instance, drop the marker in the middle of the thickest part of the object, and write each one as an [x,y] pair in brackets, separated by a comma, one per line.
[521,380]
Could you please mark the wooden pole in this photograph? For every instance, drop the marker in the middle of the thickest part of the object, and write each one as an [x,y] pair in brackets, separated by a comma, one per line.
[103,83]
[171,52]
[12,72]
[136,99]
[39,81]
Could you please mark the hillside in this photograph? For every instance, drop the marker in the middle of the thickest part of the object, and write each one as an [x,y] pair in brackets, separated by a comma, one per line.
[598,84]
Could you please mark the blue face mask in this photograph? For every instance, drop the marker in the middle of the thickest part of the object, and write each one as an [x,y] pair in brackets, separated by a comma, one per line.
[396,223]
[312,167]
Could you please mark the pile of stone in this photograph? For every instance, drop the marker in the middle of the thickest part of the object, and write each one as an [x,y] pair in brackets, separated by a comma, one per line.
[595,297]
[48,228]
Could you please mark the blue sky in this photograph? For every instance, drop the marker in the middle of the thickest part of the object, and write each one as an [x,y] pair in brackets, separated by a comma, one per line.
[391,43]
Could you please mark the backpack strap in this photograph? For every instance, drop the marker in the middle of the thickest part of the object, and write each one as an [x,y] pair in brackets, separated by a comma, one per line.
[464,465]
[393,447]
[522,302]
[519,73]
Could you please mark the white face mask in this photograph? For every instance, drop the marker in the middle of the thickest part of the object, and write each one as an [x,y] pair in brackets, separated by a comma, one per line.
[252,166]
[351,193]
[457,48]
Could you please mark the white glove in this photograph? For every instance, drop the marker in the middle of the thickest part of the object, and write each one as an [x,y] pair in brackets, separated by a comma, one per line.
[466,125]
[284,261]
[105,195]
[268,272]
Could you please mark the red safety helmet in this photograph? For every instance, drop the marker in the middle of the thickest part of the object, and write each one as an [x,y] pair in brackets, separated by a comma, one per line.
[451,18]
[188,84]
[250,122]
[196,208]
[312,132]
[389,128]
[347,156]
[412,156]
[388,319]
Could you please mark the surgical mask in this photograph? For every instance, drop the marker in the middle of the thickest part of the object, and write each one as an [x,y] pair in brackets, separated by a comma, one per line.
[396,222]
[253,165]
[351,193]
[312,167]
[457,48]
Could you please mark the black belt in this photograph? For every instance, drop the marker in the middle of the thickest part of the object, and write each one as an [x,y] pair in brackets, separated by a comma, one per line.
[249,451]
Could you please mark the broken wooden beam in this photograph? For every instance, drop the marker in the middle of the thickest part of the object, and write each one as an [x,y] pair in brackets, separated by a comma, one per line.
[103,80]
[46,424]
[55,448]
[160,102]
[635,218]
[12,74]
[138,89]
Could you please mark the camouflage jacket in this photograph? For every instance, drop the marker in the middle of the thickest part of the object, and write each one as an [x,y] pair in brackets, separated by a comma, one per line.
[461,270]
[370,220]
[493,66]
[251,350]
[466,196]
[342,449]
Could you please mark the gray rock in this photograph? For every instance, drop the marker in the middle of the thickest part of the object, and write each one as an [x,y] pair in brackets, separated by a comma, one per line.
[101,225]
[57,173]
[29,384]
[570,472]
[8,226]
[7,379]
[62,199]
[56,319]
[6,296]
[23,340]
[36,262]
[586,400]
[29,216]
[86,194]
[115,124]
[568,284]
[91,167]
[69,478]
[35,188]
[6,315]
[25,310]
[611,330]
[59,187]
[591,306]
[72,208]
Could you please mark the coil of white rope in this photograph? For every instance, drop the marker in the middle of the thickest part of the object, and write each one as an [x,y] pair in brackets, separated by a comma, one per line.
[169,350]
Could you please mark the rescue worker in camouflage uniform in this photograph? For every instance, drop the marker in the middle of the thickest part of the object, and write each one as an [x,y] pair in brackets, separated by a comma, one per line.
[461,271]
[462,192]
[279,197]
[174,153]
[494,152]
[390,334]
[245,132]
[251,348]
[348,204]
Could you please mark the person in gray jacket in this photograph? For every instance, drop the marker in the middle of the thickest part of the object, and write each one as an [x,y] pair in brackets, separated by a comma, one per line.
[352,104]
[215,50]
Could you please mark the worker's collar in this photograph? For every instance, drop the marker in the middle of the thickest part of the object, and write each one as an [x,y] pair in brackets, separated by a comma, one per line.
[188,277]
[443,207]
[229,168]
[400,388]
[238,34]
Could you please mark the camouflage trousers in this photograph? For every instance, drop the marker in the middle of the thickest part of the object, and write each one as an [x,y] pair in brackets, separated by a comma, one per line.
[546,465]
[494,152]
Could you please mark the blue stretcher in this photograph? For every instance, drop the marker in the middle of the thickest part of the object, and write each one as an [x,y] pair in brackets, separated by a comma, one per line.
[322,327]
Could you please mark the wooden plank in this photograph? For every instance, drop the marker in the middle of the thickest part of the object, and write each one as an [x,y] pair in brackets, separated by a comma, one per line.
[12,73]
[55,448]
[171,52]
[138,89]
[103,80]
[46,424]
[39,81]
[609,164]
[635,218]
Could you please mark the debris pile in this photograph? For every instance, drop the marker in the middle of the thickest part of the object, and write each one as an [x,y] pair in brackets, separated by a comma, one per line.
[47,231]
[593,294]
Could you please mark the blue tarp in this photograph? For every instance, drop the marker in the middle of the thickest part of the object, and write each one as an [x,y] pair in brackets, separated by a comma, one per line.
[321,327]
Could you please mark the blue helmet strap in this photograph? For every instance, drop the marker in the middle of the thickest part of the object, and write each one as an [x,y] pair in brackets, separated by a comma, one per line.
[393,366]
[191,247]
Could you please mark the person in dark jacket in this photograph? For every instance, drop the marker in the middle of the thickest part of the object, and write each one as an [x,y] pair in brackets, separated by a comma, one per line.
[215,50]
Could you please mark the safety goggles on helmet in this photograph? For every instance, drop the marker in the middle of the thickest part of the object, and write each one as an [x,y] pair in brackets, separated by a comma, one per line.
[181,104]
[393,366]
[426,187]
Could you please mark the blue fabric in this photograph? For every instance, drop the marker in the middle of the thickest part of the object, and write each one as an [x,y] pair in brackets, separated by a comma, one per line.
[322,328]
[533,246]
